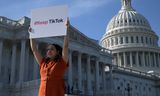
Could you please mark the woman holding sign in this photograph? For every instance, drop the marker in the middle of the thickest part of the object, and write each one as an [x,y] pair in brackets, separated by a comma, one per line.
[52,67]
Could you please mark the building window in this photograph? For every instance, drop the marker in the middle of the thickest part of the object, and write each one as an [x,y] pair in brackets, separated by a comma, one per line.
[118,88]
[126,40]
[137,41]
[121,40]
[150,40]
[121,84]
[142,40]
[153,42]
[146,40]
[134,20]
[136,87]
[144,88]
[125,21]
[132,39]
[149,89]
[116,41]
[137,21]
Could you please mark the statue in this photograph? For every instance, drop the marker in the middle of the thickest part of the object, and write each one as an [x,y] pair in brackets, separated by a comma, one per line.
[126,2]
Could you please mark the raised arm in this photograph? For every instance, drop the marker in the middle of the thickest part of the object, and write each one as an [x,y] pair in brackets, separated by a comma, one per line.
[35,51]
[66,43]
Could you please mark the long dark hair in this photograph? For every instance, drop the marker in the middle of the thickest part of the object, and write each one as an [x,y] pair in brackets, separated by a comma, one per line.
[58,56]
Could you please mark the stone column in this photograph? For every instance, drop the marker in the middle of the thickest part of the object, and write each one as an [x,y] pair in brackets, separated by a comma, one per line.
[149,63]
[1,51]
[158,60]
[35,67]
[119,40]
[131,60]
[143,59]
[117,62]
[124,40]
[129,39]
[70,69]
[134,39]
[114,59]
[119,59]
[155,62]
[137,59]
[147,58]
[97,75]
[27,65]
[22,62]
[104,80]
[79,71]
[13,63]
[124,57]
[89,75]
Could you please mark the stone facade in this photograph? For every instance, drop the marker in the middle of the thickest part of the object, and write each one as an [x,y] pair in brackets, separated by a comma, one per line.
[20,71]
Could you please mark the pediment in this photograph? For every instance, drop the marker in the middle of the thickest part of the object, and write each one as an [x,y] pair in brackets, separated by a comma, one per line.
[78,36]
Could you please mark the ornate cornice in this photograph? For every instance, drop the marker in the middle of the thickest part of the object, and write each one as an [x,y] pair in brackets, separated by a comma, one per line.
[12,24]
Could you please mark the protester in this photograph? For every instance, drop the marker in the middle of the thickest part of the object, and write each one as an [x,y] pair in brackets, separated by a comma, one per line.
[52,66]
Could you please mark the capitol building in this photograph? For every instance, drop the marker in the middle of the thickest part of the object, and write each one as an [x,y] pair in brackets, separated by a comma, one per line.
[126,61]
[136,54]
[19,70]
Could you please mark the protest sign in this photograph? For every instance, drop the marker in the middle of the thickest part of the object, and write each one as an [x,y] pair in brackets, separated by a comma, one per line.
[49,21]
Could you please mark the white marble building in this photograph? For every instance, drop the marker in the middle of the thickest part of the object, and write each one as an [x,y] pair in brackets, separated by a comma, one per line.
[19,73]
[136,54]
[129,37]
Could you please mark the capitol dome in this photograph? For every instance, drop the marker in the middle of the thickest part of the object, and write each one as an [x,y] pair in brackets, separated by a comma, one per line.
[129,20]
[132,41]
[127,16]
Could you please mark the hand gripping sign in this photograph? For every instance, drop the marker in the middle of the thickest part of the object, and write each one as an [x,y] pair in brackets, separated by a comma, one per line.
[49,21]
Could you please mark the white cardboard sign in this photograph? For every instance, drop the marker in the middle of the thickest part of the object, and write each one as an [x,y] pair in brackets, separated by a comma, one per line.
[49,21]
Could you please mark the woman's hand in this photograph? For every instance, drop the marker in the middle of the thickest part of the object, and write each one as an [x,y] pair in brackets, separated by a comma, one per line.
[67,22]
[30,29]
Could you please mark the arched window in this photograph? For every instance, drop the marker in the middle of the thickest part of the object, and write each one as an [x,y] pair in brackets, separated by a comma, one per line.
[146,40]
[150,40]
[138,21]
[132,39]
[137,40]
[121,40]
[125,21]
[142,39]
[116,41]
[133,20]
[126,40]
